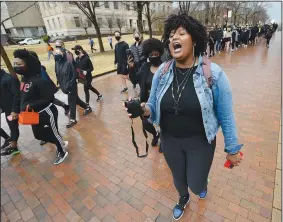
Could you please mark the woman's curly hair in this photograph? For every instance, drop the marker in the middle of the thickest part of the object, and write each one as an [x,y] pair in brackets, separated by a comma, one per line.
[191,25]
[150,45]
[32,63]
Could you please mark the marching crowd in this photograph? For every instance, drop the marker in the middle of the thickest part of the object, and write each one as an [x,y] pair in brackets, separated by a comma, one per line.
[181,92]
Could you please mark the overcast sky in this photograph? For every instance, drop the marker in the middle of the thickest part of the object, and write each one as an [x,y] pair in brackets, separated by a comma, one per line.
[275,11]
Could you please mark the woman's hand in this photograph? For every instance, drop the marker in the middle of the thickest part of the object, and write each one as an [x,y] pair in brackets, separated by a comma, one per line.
[130,62]
[14,115]
[235,159]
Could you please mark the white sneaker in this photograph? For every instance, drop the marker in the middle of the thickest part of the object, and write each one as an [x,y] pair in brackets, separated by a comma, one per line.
[66,143]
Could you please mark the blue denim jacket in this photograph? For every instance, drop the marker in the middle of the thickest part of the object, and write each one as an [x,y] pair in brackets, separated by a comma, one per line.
[216,103]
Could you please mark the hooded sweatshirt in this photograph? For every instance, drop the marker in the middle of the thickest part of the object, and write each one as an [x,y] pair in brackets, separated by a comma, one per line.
[35,92]
[66,75]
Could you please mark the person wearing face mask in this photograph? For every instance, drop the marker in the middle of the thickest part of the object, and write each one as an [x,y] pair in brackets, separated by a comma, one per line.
[84,64]
[190,109]
[67,78]
[137,60]
[121,59]
[60,44]
[10,105]
[38,95]
[152,49]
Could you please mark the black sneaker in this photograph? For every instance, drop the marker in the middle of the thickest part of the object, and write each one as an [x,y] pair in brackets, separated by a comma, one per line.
[6,144]
[99,98]
[42,143]
[87,111]
[155,140]
[180,207]
[60,157]
[71,123]
[10,151]
[124,90]
[67,109]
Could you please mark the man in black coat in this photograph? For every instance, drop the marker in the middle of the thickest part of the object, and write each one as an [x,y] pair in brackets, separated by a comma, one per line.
[10,105]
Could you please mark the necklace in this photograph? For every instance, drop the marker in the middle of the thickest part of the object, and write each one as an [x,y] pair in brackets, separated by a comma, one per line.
[176,105]
[185,74]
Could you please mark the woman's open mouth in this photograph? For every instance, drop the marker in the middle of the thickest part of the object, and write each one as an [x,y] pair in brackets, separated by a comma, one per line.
[177,47]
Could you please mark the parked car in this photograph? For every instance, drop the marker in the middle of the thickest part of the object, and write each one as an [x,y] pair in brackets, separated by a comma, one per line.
[29,41]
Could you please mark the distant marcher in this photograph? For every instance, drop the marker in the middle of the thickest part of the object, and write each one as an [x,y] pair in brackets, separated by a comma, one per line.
[110,41]
[91,43]
[49,51]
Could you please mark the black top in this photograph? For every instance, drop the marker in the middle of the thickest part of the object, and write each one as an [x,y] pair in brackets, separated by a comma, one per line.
[120,53]
[9,93]
[84,63]
[145,77]
[189,121]
[36,92]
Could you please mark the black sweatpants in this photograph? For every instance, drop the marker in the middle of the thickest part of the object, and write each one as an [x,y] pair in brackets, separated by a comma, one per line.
[234,44]
[268,41]
[87,87]
[211,49]
[149,127]
[189,160]
[73,100]
[14,128]
[47,129]
[3,134]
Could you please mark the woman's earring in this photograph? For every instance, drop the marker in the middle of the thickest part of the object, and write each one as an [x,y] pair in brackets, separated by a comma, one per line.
[194,49]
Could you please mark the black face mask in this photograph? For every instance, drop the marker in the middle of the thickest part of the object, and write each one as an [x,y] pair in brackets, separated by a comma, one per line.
[137,39]
[155,60]
[77,52]
[21,70]
[58,57]
[117,38]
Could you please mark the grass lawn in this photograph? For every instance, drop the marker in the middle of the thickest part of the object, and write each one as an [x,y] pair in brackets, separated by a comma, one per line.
[103,62]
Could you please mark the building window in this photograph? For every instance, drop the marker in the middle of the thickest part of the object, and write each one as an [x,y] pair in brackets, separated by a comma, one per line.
[159,8]
[53,22]
[59,22]
[163,8]
[77,22]
[153,6]
[99,21]
[131,23]
[168,8]
[48,24]
[89,23]
[128,7]
[106,4]
[115,5]
[143,23]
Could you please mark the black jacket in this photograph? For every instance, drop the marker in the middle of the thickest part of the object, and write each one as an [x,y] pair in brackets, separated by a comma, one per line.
[36,92]
[9,93]
[66,75]
[84,63]
[218,35]
[120,53]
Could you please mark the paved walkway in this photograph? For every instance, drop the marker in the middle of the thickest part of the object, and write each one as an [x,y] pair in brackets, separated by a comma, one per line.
[102,180]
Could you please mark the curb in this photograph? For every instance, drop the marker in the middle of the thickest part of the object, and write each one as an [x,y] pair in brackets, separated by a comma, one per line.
[103,74]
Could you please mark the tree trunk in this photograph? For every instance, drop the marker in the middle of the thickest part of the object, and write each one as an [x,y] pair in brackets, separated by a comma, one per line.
[149,20]
[86,32]
[7,61]
[139,11]
[97,29]
[206,12]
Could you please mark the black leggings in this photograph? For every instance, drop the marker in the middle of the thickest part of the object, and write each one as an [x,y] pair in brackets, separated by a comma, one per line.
[87,87]
[267,41]
[211,49]
[47,129]
[58,102]
[14,128]
[189,160]
[149,127]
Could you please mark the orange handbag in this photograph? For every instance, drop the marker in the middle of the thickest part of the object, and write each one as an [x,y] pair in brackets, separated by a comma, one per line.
[29,118]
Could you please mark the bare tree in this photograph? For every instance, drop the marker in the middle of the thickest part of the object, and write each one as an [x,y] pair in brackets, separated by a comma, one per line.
[3,52]
[120,22]
[188,7]
[84,24]
[138,7]
[88,8]
[110,22]
[250,9]
[151,17]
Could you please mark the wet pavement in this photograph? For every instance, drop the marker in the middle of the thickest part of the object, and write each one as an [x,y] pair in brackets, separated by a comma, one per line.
[103,180]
